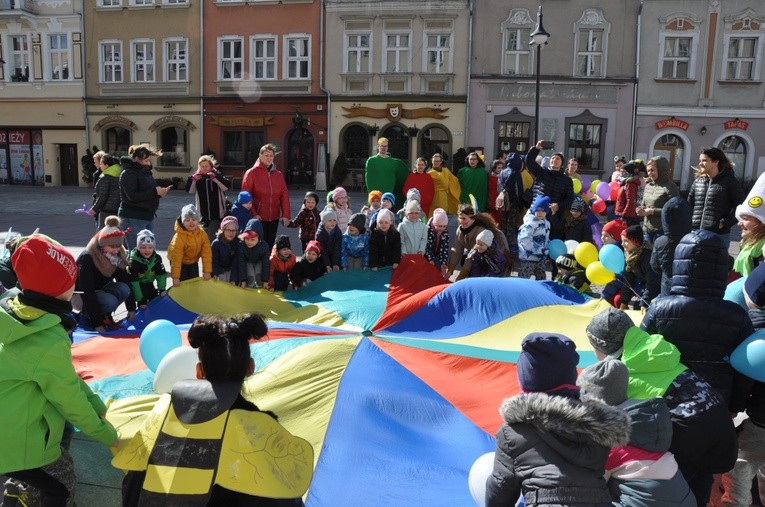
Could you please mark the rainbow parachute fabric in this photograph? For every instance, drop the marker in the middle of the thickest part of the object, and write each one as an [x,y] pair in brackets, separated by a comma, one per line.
[393,376]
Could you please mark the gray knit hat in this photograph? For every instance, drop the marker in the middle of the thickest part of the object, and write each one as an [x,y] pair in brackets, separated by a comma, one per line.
[327,214]
[145,237]
[189,211]
[607,329]
[606,380]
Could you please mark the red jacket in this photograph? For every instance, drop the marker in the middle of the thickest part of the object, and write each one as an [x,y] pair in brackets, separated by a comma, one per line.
[270,199]
[626,199]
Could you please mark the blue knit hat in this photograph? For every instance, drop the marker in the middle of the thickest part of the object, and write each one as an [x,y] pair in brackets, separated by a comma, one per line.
[514,162]
[389,196]
[542,202]
[243,198]
[547,362]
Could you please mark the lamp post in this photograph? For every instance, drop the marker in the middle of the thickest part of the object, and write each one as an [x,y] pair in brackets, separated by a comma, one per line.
[538,39]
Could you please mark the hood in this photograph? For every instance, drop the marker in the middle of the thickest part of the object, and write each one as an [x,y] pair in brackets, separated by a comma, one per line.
[561,417]
[676,217]
[662,169]
[651,426]
[180,229]
[112,170]
[652,361]
[12,330]
[701,266]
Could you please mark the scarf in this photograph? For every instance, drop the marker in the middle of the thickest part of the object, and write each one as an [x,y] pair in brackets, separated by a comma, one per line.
[631,258]
[30,305]
[106,265]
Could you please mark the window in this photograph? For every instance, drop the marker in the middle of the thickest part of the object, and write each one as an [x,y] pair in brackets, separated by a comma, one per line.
[740,58]
[676,59]
[174,2]
[174,144]
[230,58]
[513,136]
[264,58]
[297,57]
[435,140]
[59,57]
[672,148]
[735,149]
[590,44]
[117,141]
[397,51]
[176,60]
[586,135]
[141,3]
[240,148]
[357,52]
[111,62]
[438,53]
[110,3]
[143,61]
[517,52]
[19,58]
[356,146]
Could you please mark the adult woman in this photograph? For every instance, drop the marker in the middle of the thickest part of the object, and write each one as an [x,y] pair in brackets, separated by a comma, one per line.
[139,193]
[446,186]
[270,199]
[474,181]
[658,191]
[106,199]
[715,194]
[471,225]
[420,180]
[209,186]
[572,169]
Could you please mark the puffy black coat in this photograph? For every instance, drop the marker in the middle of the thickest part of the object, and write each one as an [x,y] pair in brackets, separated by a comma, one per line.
[695,317]
[554,184]
[676,222]
[714,201]
[138,191]
[384,248]
[107,195]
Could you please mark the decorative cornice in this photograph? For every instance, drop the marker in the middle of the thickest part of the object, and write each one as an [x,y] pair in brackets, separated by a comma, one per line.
[115,120]
[172,120]
[518,17]
[680,15]
[592,17]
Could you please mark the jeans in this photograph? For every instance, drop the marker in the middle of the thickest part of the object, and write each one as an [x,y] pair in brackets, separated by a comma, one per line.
[651,236]
[110,297]
[135,225]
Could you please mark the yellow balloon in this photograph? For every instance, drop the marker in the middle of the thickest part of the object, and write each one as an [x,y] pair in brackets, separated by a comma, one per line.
[577,185]
[598,274]
[594,185]
[528,180]
[586,253]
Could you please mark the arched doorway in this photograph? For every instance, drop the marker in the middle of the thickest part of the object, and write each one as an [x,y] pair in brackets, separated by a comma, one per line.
[398,142]
[355,146]
[434,140]
[672,148]
[735,149]
[300,157]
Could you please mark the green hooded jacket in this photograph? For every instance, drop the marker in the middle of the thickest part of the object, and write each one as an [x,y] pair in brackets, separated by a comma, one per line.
[40,390]
[653,364]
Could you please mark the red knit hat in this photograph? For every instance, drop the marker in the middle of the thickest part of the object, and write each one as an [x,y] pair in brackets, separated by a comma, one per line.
[615,228]
[313,246]
[111,234]
[44,267]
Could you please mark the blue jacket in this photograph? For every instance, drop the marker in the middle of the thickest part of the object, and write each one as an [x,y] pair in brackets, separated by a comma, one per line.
[242,215]
[354,246]
[676,223]
[224,257]
[533,238]
[332,246]
[257,254]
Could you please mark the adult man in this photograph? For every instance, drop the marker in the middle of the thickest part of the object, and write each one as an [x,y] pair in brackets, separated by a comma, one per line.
[384,172]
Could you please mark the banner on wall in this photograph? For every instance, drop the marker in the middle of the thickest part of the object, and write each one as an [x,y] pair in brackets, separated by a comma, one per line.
[21,157]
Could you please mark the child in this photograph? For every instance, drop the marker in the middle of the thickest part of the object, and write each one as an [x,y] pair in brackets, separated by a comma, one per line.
[40,389]
[252,256]
[612,232]
[533,237]
[189,244]
[308,268]
[355,252]
[486,259]
[331,240]
[388,202]
[224,248]
[375,200]
[282,262]
[491,202]
[627,196]
[384,242]
[638,275]
[339,203]
[577,227]
[242,209]
[206,447]
[424,184]
[411,195]
[307,219]
[145,267]
[751,220]
[676,223]
[209,187]
[553,445]
[437,246]
[571,273]
[642,473]
[414,233]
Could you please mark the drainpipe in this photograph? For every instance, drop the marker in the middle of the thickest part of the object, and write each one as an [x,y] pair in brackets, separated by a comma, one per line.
[322,87]
[471,6]
[633,128]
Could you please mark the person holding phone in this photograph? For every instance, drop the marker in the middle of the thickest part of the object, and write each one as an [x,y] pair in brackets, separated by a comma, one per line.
[270,199]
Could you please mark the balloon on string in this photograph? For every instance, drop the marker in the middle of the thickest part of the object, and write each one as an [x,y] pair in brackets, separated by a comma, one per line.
[179,364]
[586,253]
[599,206]
[735,292]
[603,190]
[594,185]
[612,258]
[585,184]
[577,186]
[614,190]
[571,245]
[598,274]
[474,203]
[480,471]
[749,357]
[556,248]
[157,339]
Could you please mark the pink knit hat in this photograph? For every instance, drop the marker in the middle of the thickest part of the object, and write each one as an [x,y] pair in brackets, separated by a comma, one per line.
[440,217]
[339,192]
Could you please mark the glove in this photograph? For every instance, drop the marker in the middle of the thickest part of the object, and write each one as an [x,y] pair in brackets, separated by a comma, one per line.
[196,177]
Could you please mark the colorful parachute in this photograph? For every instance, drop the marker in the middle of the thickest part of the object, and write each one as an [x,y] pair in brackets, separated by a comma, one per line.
[393,376]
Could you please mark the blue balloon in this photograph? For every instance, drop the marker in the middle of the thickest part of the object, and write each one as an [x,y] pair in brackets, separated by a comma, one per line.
[749,357]
[556,247]
[612,258]
[735,292]
[157,339]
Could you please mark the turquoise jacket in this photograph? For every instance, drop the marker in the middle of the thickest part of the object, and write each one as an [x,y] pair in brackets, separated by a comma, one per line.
[39,390]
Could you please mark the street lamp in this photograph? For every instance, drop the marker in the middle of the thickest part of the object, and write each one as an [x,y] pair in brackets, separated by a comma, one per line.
[538,39]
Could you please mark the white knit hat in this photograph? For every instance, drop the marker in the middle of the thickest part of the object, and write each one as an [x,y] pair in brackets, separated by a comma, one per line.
[486,237]
[754,204]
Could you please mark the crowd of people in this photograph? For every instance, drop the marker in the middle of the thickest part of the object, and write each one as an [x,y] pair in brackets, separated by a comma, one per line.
[633,429]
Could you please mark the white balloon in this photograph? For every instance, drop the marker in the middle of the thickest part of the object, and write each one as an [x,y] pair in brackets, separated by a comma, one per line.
[571,245]
[479,472]
[178,364]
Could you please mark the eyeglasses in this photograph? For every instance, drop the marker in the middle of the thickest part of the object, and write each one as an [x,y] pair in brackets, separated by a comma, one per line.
[230,230]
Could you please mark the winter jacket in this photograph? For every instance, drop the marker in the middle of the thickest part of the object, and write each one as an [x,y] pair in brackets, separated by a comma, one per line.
[637,479]
[243,215]
[270,198]
[278,265]
[676,223]
[308,220]
[656,194]
[553,449]
[259,254]
[578,229]
[489,263]
[343,213]
[510,182]
[464,241]
[437,246]
[695,317]
[414,236]
[533,238]
[626,197]
[354,246]
[749,257]
[41,390]
[306,271]
[224,257]
[107,195]
[576,278]
[91,279]
[138,191]
[714,201]
[210,193]
[187,247]
[384,248]
[146,271]
[331,246]
[554,184]
[639,277]
[697,411]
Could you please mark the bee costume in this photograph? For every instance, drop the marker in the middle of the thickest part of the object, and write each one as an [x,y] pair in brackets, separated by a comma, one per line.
[205,442]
